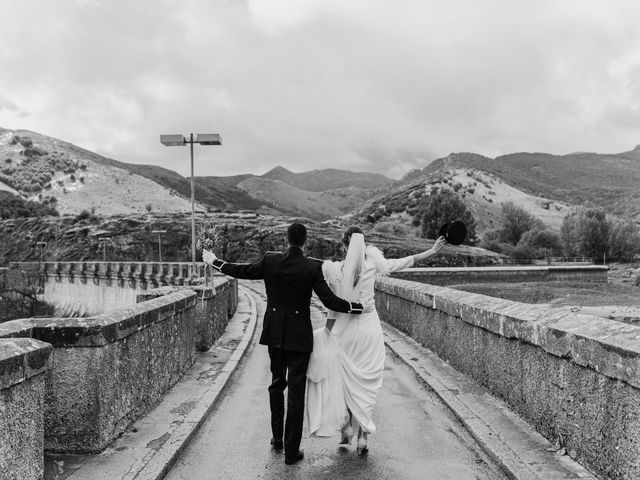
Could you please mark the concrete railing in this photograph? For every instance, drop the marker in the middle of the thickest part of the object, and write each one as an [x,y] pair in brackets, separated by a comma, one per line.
[569,375]
[459,275]
[109,369]
[24,365]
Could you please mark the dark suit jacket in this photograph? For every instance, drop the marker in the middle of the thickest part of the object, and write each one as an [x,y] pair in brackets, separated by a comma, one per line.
[289,279]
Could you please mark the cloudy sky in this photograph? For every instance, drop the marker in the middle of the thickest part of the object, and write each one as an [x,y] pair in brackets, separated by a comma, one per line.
[377,85]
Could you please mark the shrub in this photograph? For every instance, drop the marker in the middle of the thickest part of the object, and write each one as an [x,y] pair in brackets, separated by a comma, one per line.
[24,141]
[516,221]
[490,240]
[87,215]
[383,227]
[540,243]
[394,227]
[12,206]
[446,207]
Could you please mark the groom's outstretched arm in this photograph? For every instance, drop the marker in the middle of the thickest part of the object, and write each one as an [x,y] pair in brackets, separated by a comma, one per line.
[247,271]
[330,300]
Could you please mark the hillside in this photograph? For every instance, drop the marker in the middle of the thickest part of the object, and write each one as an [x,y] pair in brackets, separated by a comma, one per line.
[329,179]
[316,194]
[73,179]
[312,204]
[607,180]
[548,186]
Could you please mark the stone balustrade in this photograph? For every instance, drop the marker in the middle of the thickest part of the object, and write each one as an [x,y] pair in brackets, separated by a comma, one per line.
[146,274]
[569,375]
[82,289]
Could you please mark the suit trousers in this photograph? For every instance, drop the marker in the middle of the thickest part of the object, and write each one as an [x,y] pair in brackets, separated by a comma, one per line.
[288,369]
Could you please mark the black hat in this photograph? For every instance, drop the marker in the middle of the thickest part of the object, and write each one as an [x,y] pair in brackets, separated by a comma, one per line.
[454,232]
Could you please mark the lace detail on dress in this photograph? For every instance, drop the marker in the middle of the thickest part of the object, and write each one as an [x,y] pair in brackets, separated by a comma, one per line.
[332,272]
[375,255]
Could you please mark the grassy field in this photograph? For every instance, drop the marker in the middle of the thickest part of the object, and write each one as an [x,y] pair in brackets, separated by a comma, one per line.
[619,299]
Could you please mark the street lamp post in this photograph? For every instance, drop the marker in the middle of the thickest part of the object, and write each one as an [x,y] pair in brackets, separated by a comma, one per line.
[159,232]
[179,140]
[41,245]
[104,241]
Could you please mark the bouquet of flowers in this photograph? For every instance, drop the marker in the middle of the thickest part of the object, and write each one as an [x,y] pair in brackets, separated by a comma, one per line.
[206,239]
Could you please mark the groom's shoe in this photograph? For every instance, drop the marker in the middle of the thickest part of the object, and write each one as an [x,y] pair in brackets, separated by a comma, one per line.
[277,444]
[296,458]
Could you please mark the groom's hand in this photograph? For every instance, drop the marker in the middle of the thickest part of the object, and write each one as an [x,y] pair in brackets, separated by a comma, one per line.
[355,308]
[208,257]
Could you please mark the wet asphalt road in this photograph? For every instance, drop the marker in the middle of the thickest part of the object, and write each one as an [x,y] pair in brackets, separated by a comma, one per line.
[417,438]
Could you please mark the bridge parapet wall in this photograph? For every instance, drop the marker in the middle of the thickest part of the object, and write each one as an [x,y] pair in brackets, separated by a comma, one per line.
[567,374]
[461,275]
[24,365]
[216,304]
[110,369]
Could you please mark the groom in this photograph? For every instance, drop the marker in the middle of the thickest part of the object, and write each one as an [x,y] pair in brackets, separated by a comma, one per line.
[289,278]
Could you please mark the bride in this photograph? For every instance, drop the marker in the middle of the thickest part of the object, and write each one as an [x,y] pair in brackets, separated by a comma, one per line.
[346,366]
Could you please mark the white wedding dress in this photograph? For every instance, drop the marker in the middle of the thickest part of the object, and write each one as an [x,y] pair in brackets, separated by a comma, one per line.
[347,363]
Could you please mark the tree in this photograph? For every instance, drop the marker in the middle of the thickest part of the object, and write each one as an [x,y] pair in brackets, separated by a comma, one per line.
[516,221]
[569,234]
[12,206]
[491,240]
[624,240]
[586,232]
[540,243]
[446,207]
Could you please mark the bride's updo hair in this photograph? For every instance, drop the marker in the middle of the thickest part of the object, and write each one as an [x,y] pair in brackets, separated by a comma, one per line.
[346,236]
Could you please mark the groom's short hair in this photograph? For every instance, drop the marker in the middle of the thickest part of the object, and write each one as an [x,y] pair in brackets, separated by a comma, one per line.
[297,234]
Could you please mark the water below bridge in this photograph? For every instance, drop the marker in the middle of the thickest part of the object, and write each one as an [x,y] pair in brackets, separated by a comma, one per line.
[417,435]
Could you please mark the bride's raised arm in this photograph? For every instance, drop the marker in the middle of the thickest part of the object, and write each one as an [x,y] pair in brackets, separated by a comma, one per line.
[437,246]
[385,266]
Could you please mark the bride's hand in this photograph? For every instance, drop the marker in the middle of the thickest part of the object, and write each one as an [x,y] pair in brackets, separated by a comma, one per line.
[439,244]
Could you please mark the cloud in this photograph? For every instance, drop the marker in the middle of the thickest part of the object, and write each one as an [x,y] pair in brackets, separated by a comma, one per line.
[365,85]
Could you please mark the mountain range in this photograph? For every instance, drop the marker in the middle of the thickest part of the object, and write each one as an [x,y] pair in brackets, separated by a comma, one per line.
[72,179]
